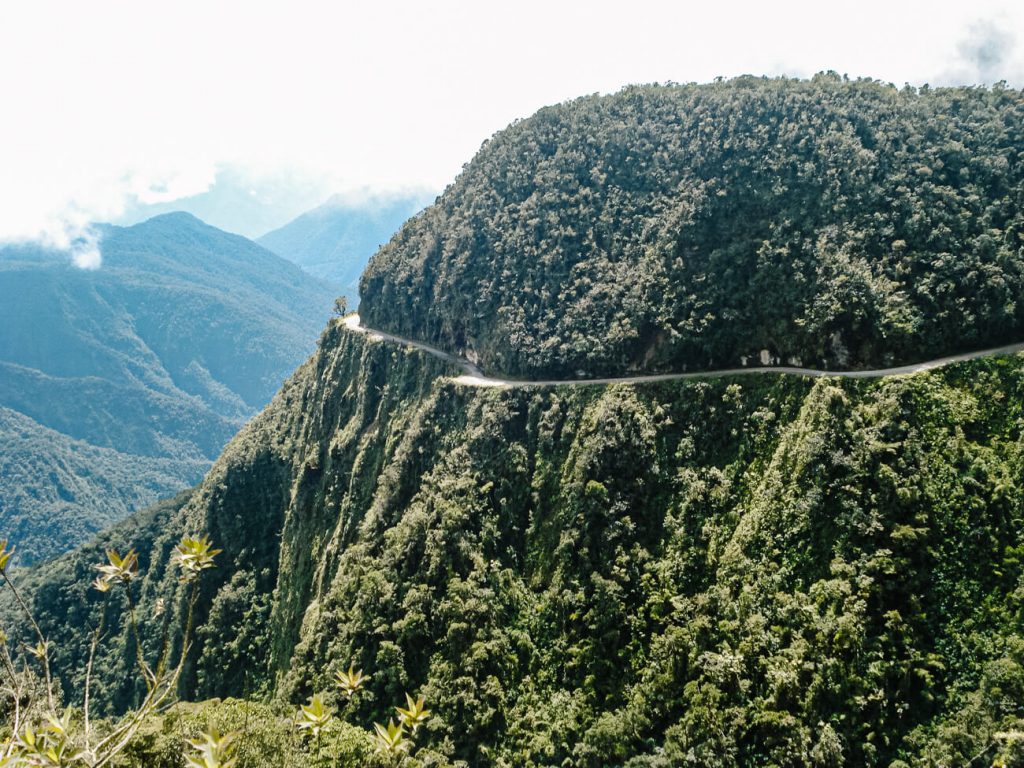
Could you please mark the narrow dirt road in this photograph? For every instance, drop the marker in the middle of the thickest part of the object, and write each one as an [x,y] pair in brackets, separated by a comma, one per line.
[474,377]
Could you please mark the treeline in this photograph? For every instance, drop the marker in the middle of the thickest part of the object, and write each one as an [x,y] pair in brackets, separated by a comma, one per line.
[838,223]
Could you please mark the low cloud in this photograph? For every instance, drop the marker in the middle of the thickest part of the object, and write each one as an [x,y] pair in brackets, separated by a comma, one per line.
[85,250]
[987,53]
[90,137]
[988,49]
[60,213]
[70,230]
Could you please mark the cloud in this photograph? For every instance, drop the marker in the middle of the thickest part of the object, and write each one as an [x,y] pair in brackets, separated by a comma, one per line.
[988,48]
[986,54]
[85,250]
[109,111]
[57,204]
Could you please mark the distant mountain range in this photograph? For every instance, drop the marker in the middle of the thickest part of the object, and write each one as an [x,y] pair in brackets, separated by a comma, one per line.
[118,386]
[336,240]
[240,201]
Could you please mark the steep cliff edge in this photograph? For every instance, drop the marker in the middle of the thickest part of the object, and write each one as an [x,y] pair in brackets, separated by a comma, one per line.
[758,570]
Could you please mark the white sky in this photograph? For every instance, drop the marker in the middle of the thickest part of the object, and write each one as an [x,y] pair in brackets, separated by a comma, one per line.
[102,100]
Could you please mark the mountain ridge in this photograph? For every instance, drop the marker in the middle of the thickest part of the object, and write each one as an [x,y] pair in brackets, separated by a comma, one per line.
[833,223]
[335,240]
[159,355]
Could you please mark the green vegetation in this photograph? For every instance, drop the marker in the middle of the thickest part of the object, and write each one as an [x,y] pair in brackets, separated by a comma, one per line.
[135,375]
[73,489]
[731,572]
[262,736]
[39,736]
[843,224]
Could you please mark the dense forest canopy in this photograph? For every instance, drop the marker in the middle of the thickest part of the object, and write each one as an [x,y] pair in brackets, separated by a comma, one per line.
[765,570]
[753,570]
[837,223]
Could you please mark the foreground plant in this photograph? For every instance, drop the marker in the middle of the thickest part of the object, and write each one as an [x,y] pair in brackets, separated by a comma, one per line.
[350,682]
[194,556]
[393,740]
[118,568]
[213,750]
[59,740]
[414,714]
[313,718]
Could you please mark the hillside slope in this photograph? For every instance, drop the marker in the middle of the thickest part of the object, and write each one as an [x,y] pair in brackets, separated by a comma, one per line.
[74,489]
[839,224]
[771,570]
[759,570]
[161,354]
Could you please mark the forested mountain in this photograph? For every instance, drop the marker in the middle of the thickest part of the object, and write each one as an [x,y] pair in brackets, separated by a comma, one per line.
[760,570]
[152,361]
[731,572]
[836,223]
[335,240]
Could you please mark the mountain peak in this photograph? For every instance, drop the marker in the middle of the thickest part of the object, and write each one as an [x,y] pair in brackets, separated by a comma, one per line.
[174,218]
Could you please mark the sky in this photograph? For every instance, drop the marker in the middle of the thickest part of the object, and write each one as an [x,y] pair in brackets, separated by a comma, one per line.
[108,108]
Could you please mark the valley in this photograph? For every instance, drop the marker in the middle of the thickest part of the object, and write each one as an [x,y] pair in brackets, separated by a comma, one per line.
[138,373]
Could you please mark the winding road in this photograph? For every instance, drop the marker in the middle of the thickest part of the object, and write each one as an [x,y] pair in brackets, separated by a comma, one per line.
[474,377]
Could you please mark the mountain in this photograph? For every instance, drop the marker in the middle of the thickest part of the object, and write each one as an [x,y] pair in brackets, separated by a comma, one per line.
[152,361]
[840,224]
[336,240]
[758,569]
[240,201]
[829,567]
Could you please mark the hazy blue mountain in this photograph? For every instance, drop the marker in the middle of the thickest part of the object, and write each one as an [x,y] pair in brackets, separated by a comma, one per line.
[138,373]
[336,240]
[240,201]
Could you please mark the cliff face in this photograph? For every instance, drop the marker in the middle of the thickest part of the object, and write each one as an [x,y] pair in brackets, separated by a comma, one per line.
[719,572]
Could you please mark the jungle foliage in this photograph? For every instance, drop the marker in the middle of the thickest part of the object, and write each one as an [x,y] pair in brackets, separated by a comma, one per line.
[761,570]
[742,571]
[839,223]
